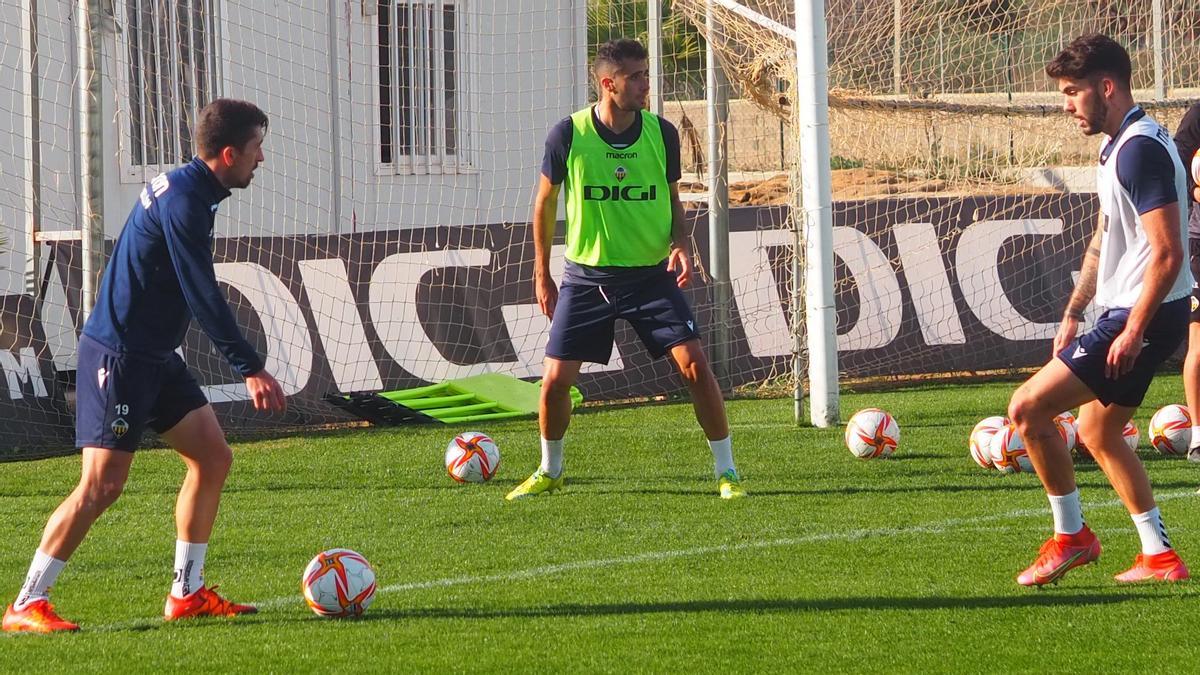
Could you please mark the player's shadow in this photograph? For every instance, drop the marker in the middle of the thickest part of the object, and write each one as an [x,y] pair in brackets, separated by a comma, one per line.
[759,606]
[1047,598]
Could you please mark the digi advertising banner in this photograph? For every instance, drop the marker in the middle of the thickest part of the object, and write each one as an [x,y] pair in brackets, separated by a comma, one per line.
[924,285]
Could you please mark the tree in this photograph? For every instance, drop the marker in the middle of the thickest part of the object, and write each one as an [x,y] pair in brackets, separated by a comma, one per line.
[682,45]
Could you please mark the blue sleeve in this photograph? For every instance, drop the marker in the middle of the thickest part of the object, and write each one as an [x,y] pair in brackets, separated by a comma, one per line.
[558,146]
[671,141]
[186,229]
[1145,170]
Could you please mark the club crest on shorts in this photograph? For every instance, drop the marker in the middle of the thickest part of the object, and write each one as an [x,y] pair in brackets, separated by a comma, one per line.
[120,427]
[619,173]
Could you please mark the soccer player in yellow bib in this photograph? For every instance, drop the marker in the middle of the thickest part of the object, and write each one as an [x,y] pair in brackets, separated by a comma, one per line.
[627,257]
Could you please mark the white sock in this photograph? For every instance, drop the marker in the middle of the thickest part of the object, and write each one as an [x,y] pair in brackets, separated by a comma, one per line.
[42,574]
[189,568]
[1195,437]
[552,456]
[1068,512]
[1152,532]
[722,451]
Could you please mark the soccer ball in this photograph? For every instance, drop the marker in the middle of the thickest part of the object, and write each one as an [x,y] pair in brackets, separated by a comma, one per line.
[981,435]
[338,582]
[1068,428]
[472,457]
[1067,431]
[872,433]
[1171,430]
[1131,434]
[1008,451]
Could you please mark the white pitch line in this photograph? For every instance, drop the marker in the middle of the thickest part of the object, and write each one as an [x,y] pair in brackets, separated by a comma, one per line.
[936,527]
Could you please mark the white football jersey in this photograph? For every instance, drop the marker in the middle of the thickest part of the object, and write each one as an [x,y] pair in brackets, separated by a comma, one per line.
[1124,249]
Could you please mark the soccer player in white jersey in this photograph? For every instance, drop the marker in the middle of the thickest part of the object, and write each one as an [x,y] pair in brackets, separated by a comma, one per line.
[1133,269]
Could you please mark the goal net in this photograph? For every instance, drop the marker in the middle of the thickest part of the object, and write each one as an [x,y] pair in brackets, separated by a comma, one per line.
[963,195]
[385,242]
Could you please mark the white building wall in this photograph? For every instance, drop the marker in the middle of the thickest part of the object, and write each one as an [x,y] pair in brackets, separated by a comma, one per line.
[519,66]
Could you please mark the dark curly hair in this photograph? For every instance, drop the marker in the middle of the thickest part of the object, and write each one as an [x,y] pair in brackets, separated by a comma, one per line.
[1089,56]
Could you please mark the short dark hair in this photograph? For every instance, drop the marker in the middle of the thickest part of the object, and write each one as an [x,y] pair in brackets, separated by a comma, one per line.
[227,122]
[610,54]
[1089,56]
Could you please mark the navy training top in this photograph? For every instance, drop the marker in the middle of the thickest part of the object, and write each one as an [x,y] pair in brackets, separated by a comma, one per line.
[1146,171]
[161,273]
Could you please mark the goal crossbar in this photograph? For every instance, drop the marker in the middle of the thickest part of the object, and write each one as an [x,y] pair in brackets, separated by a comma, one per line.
[758,18]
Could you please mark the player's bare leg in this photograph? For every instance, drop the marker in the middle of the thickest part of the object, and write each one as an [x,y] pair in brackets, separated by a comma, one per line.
[101,481]
[554,406]
[554,416]
[1191,387]
[707,400]
[1101,428]
[709,406]
[1050,391]
[199,440]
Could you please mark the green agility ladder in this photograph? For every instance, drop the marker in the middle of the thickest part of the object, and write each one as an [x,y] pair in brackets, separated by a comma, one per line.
[490,396]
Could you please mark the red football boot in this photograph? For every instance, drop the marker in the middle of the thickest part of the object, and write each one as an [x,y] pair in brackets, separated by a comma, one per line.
[1167,566]
[37,617]
[204,602]
[1059,555]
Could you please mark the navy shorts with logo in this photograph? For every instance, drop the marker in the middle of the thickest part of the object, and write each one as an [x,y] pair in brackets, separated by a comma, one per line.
[585,318]
[1087,354]
[1194,263]
[119,394]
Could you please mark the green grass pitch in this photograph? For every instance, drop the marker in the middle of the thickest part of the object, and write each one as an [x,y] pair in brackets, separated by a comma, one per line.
[833,563]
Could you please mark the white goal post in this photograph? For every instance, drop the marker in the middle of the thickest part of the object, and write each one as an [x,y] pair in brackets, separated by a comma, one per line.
[815,202]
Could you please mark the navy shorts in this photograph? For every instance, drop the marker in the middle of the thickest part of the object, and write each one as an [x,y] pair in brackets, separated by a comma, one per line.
[585,316]
[1087,354]
[1194,263]
[118,395]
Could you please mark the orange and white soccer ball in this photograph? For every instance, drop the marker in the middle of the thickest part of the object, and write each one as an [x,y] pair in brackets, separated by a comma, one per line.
[981,435]
[1131,434]
[1171,430]
[338,583]
[1067,431]
[872,433]
[1008,451]
[472,457]
[1068,428]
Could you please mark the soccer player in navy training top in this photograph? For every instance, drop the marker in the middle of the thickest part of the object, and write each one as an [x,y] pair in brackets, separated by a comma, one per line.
[1133,269]
[130,377]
